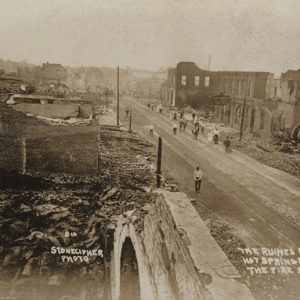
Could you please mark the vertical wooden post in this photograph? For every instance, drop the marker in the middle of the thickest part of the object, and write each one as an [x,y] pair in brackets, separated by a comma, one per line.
[118,97]
[130,119]
[23,155]
[244,109]
[158,171]
[106,94]
[99,167]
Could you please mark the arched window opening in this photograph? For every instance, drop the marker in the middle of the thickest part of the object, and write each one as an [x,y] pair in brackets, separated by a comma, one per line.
[130,282]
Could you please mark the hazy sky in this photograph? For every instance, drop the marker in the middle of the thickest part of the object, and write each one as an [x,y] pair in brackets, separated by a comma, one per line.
[259,35]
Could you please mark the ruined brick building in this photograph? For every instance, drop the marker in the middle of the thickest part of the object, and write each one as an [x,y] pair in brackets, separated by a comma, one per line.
[188,83]
[271,104]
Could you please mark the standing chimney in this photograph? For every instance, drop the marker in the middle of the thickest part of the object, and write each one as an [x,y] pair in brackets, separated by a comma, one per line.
[209,62]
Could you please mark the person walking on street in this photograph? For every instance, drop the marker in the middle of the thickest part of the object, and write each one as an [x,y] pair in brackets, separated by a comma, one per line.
[174,128]
[202,129]
[227,145]
[127,111]
[198,178]
[210,137]
[151,129]
[216,135]
[175,116]
[181,125]
[184,125]
[193,116]
[196,132]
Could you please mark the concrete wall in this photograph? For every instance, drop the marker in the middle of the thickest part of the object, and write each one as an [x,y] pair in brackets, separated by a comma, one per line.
[71,153]
[177,257]
[10,153]
[59,111]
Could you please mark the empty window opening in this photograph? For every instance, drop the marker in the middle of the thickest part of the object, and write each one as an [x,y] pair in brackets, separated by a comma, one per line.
[206,81]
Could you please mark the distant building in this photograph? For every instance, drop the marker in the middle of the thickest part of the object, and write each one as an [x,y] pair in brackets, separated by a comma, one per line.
[53,72]
[272,105]
[187,84]
[50,79]
[252,86]
[288,103]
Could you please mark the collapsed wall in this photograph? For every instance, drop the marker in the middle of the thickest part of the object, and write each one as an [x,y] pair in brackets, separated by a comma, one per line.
[176,255]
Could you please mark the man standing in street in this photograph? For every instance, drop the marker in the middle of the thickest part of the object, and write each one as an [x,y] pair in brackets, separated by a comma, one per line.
[198,177]
[184,125]
[227,145]
[202,129]
[174,128]
[151,129]
[193,116]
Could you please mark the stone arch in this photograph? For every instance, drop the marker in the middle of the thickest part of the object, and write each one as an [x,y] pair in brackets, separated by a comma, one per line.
[295,131]
[147,289]
[129,277]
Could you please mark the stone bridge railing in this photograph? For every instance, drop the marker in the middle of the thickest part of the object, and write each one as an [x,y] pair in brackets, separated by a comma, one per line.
[176,255]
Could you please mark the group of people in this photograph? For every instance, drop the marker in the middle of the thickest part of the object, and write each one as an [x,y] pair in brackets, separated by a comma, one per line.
[213,136]
[182,126]
[178,116]
[159,107]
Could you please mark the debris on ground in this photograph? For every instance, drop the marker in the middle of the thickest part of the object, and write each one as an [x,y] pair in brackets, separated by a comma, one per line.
[50,211]
[280,155]
[263,286]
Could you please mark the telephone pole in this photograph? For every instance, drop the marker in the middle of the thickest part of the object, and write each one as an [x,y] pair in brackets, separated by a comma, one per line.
[130,117]
[209,62]
[244,109]
[106,94]
[118,97]
[158,170]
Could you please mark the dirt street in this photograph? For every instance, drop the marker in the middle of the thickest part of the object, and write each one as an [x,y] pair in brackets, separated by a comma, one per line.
[244,203]
[259,203]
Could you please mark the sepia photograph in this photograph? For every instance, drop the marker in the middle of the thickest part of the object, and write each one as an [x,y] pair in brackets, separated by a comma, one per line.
[149,150]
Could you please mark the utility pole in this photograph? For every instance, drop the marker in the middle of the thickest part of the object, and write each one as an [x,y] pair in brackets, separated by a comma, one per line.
[130,116]
[23,156]
[158,170]
[118,97]
[244,109]
[106,94]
